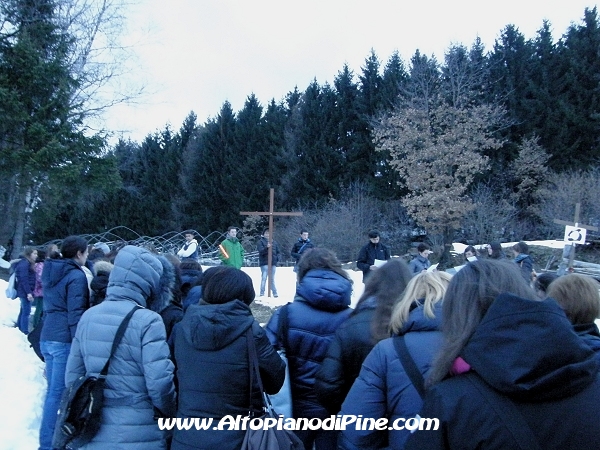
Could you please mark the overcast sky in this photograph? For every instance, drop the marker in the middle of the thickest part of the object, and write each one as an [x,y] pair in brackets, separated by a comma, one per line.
[193,55]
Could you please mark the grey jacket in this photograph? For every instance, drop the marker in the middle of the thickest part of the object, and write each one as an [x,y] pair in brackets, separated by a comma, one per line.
[140,377]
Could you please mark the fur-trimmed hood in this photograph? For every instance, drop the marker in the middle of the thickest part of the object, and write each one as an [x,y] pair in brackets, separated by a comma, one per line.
[140,276]
[166,287]
[102,266]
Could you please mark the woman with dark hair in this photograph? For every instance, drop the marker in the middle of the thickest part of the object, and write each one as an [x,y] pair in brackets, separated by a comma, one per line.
[495,251]
[579,298]
[383,388]
[368,324]
[470,252]
[66,297]
[510,368]
[211,354]
[321,304]
[139,385]
[25,275]
[541,282]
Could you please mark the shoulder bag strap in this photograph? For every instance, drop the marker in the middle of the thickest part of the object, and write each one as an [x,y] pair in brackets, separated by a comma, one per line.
[254,370]
[410,367]
[509,414]
[118,337]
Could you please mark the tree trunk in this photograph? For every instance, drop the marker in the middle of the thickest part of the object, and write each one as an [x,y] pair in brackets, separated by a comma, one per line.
[446,258]
[22,209]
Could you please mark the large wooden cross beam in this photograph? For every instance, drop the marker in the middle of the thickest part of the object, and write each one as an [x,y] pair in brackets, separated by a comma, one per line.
[271,214]
[574,233]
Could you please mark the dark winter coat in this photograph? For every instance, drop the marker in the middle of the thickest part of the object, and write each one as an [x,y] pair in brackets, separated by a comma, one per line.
[211,353]
[383,389]
[350,346]
[418,264]
[193,297]
[25,274]
[189,278]
[321,305]
[299,247]
[263,252]
[171,308]
[590,335]
[527,352]
[525,263]
[368,254]
[140,378]
[99,283]
[66,298]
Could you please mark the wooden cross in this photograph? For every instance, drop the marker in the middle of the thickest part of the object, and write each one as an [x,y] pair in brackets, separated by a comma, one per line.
[270,213]
[576,224]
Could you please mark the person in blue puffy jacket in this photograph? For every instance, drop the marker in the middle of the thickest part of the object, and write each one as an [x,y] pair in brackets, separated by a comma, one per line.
[139,385]
[321,304]
[383,389]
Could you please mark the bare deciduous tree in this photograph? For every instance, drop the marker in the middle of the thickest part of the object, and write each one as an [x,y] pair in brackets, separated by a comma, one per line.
[437,155]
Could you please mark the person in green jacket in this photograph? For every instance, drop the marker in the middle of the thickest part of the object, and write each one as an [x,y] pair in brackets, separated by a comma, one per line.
[231,251]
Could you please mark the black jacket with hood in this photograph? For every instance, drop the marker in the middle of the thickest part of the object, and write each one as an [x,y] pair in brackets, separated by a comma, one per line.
[527,352]
[211,353]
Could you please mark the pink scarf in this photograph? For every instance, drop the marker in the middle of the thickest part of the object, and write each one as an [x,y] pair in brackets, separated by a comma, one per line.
[459,366]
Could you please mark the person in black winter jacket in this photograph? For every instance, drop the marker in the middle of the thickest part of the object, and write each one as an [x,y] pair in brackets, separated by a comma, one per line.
[300,246]
[356,337]
[102,270]
[211,354]
[511,368]
[321,305]
[373,250]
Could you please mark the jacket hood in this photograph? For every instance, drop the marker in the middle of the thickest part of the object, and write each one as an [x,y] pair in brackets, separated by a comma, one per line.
[520,257]
[417,321]
[212,327]
[136,276]
[326,290]
[55,269]
[528,350]
[166,286]
[102,266]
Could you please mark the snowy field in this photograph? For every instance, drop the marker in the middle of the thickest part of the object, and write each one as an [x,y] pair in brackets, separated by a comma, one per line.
[22,385]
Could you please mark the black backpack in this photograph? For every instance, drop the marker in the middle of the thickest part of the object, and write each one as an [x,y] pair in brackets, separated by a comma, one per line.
[80,412]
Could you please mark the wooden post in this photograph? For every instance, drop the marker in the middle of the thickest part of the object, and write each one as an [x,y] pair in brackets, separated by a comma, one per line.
[270,213]
[571,255]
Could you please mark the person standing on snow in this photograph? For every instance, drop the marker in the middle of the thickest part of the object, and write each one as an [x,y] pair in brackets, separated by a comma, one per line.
[231,251]
[373,250]
[300,247]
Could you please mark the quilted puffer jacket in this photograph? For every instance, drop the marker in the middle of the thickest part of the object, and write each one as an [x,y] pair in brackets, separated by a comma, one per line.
[320,306]
[140,377]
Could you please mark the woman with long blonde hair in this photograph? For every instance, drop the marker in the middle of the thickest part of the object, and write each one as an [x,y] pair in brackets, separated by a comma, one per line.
[384,388]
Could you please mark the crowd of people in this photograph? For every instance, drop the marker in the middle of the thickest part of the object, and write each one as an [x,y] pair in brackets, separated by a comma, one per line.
[500,356]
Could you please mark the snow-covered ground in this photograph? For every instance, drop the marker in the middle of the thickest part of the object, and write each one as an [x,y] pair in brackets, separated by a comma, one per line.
[22,385]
